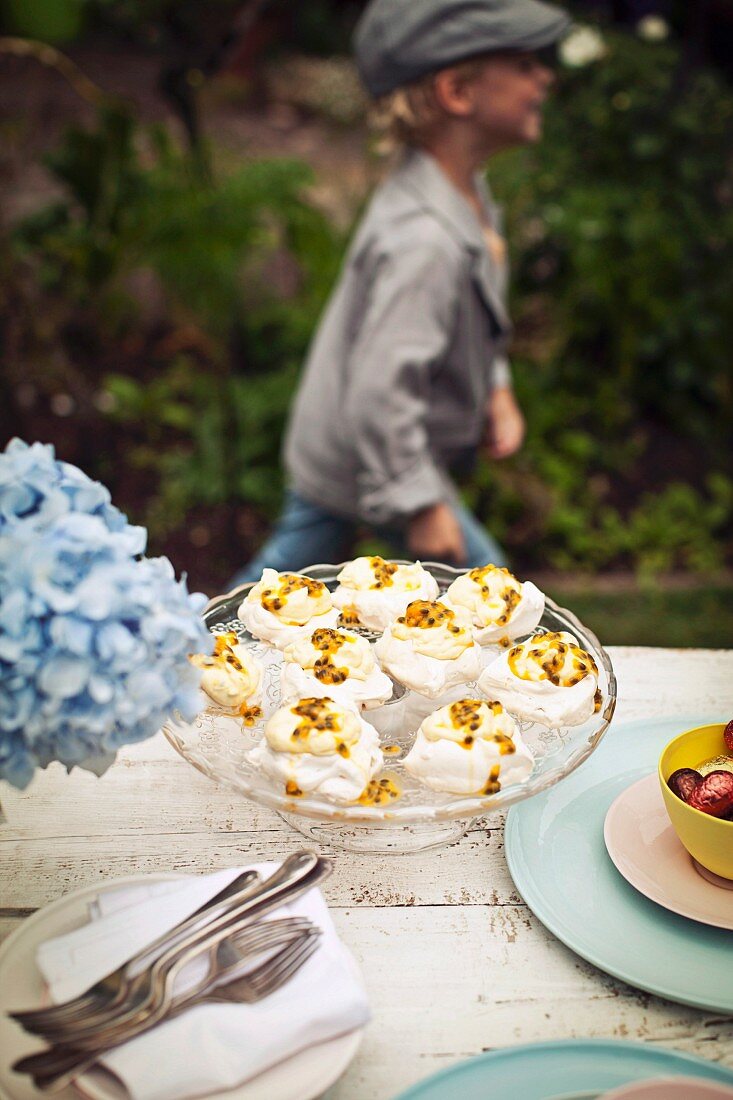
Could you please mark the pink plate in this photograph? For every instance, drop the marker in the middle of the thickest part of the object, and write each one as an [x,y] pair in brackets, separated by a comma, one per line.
[665,1088]
[647,852]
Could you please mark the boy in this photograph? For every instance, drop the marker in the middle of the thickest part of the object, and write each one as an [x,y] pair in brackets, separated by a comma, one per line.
[407,373]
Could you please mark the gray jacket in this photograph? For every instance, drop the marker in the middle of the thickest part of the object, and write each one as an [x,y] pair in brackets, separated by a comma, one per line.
[407,351]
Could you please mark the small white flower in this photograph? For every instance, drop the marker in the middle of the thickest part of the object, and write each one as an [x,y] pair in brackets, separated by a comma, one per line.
[581,47]
[653,27]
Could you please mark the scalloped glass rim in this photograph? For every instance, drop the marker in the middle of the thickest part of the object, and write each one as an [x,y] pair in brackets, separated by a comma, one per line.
[182,735]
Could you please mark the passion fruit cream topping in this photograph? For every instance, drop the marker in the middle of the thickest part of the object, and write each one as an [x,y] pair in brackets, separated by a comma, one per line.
[554,656]
[469,720]
[364,574]
[316,726]
[332,656]
[349,616]
[434,630]
[471,746]
[490,594]
[292,598]
[231,676]
[379,791]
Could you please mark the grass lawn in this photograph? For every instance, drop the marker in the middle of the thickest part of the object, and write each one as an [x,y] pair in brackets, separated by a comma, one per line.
[699,616]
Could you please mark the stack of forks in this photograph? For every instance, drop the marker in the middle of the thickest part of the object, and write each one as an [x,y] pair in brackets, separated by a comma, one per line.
[247,960]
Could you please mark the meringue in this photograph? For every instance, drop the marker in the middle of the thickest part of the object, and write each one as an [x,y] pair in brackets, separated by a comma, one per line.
[547,678]
[283,607]
[336,664]
[232,677]
[318,746]
[469,747]
[501,607]
[430,648]
[373,591]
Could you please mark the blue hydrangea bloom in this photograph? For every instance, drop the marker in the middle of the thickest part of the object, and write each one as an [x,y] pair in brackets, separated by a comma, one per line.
[94,638]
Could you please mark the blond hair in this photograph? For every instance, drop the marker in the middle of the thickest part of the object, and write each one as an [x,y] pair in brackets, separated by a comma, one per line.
[406,116]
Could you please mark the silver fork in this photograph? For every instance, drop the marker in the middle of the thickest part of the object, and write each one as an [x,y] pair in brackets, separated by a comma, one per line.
[110,989]
[135,994]
[247,988]
[226,959]
[47,1020]
[149,990]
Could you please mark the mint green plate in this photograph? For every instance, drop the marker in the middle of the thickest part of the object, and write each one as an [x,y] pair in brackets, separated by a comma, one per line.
[581,1069]
[558,860]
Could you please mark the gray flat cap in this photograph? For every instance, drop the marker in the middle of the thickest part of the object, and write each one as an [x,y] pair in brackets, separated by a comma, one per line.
[397,41]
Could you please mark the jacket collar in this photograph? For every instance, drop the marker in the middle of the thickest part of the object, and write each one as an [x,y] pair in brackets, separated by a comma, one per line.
[420,174]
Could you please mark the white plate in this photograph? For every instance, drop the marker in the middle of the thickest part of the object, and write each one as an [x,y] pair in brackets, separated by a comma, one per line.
[303,1077]
[648,853]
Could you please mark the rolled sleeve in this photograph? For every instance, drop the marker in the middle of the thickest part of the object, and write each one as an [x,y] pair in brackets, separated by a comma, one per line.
[501,373]
[404,337]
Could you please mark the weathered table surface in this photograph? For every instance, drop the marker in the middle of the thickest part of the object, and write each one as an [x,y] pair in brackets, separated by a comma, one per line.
[454,962]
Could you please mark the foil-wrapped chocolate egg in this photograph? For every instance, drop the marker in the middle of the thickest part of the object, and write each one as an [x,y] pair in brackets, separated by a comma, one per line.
[716,764]
[728,736]
[713,794]
[683,782]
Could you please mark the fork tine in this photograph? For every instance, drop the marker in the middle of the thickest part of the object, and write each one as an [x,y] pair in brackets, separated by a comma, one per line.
[263,930]
[284,923]
[251,939]
[248,951]
[271,976]
[285,964]
[283,973]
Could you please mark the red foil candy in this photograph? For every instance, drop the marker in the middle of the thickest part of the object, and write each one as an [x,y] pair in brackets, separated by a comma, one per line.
[728,736]
[714,794]
[683,782]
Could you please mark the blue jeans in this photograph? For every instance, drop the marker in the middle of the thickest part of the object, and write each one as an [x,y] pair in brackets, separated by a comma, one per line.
[306,534]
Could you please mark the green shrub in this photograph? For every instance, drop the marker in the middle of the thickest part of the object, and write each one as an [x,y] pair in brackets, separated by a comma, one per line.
[206,424]
[621,226]
[624,217]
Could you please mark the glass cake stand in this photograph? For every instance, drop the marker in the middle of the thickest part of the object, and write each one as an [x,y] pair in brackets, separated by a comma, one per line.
[218,745]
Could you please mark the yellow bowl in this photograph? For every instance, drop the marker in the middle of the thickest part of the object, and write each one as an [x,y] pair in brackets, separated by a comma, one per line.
[708,839]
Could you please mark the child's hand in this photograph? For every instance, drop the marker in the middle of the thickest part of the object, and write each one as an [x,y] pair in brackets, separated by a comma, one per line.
[504,424]
[435,535]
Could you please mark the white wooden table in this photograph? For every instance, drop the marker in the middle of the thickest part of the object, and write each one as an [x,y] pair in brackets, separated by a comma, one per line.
[455,964]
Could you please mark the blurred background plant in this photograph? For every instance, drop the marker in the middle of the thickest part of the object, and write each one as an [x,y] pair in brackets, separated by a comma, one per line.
[624,221]
[159,290]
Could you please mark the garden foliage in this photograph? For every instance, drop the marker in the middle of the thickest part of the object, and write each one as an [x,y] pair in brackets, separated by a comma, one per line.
[233,272]
[620,227]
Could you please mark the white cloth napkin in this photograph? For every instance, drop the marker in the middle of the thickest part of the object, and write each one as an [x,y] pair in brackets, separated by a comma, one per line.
[210,1047]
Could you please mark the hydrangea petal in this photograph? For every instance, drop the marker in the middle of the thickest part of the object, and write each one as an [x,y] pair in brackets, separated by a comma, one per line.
[63,676]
